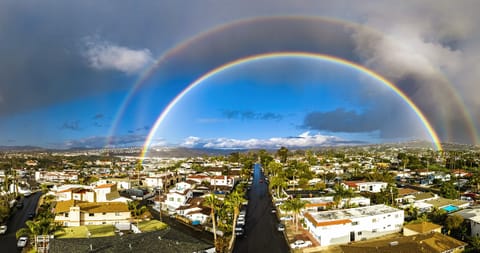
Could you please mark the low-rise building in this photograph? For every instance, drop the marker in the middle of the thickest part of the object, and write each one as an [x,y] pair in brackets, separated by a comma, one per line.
[472,216]
[421,228]
[428,242]
[74,213]
[355,224]
[365,186]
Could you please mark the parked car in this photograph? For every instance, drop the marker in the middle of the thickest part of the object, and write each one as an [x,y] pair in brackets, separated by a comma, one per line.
[31,215]
[280,227]
[3,229]
[300,244]
[20,204]
[22,241]
[239,230]
[241,221]
[286,218]
[274,210]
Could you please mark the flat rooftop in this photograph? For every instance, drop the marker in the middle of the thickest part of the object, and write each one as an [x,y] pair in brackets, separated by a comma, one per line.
[347,214]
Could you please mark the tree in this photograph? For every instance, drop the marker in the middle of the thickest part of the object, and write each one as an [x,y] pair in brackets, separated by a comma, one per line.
[411,212]
[278,182]
[138,168]
[448,191]
[342,192]
[32,230]
[453,223]
[235,200]
[135,210]
[212,202]
[282,153]
[294,205]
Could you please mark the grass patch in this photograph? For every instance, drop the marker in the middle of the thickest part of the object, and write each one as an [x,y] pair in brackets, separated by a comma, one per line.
[82,231]
[151,225]
[72,232]
[101,230]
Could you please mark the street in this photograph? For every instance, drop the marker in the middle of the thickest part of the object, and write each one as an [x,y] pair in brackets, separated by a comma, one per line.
[8,242]
[261,233]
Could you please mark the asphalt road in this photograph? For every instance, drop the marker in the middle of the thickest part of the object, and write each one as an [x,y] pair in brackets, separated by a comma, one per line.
[8,241]
[261,233]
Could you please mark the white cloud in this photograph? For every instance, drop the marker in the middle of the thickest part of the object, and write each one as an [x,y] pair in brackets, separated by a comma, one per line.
[191,142]
[304,140]
[104,55]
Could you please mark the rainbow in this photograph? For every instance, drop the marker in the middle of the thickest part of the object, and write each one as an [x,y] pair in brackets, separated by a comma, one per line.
[180,47]
[282,55]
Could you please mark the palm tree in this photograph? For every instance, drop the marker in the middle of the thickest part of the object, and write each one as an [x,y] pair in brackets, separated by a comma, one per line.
[212,201]
[278,183]
[235,200]
[133,206]
[32,230]
[294,205]
[341,193]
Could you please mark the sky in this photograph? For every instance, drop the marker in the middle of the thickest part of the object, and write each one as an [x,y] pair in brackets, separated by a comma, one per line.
[100,73]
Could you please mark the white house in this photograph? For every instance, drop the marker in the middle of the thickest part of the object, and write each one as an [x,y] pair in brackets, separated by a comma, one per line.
[222,181]
[374,187]
[472,216]
[322,203]
[355,224]
[178,196]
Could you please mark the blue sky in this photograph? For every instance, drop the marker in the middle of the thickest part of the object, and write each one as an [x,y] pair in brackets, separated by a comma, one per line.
[67,68]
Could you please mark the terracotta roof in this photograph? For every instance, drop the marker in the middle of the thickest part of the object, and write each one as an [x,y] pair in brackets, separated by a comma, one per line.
[91,207]
[423,227]
[318,204]
[104,186]
[406,191]
[326,223]
[353,183]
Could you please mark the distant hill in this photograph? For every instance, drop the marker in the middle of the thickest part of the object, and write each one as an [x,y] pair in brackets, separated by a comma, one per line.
[21,148]
[195,152]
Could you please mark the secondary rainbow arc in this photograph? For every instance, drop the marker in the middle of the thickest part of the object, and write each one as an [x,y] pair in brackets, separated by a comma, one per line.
[177,48]
[429,129]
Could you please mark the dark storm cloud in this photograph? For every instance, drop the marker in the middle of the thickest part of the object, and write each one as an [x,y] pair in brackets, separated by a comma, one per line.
[250,115]
[385,121]
[340,120]
[43,48]
[72,125]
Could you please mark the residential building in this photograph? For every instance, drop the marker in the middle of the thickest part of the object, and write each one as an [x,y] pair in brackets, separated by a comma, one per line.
[355,224]
[74,213]
[56,176]
[178,196]
[472,216]
[365,186]
[421,228]
[429,242]
[322,203]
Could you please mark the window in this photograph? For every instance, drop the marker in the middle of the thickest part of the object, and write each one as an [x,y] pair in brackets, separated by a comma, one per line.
[117,214]
[354,223]
[374,220]
[66,214]
[359,233]
[104,213]
[374,230]
[91,214]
